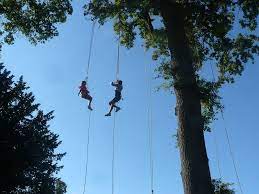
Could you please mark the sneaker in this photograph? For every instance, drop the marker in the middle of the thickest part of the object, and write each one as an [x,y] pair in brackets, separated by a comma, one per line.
[90,108]
[108,115]
[117,109]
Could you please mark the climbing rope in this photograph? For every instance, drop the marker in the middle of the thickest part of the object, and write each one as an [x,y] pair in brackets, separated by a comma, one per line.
[90,49]
[231,152]
[148,70]
[150,129]
[114,120]
[214,136]
[89,118]
[113,151]
[150,126]
[217,155]
[87,151]
[118,57]
[228,140]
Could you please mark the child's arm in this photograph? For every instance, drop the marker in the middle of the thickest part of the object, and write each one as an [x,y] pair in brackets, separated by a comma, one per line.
[87,90]
[114,83]
[79,92]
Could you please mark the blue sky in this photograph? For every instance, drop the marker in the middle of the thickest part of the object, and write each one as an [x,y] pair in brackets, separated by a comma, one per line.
[54,71]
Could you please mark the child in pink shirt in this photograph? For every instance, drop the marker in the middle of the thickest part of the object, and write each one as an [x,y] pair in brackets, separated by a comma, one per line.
[85,94]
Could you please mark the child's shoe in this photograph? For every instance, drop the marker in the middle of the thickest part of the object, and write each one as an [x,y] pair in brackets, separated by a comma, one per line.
[108,115]
[117,109]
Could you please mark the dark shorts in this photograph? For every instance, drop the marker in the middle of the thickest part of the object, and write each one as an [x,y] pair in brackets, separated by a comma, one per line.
[87,96]
[115,100]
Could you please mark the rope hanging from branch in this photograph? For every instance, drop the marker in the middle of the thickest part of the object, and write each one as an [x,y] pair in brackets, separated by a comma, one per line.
[228,140]
[90,50]
[118,50]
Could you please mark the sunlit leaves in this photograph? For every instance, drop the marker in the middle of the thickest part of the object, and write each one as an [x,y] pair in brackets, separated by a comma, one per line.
[212,29]
[250,10]
[222,188]
[34,19]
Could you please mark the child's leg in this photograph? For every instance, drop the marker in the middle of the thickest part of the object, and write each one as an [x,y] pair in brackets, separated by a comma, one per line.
[115,106]
[111,103]
[111,109]
[89,98]
[90,101]
[117,99]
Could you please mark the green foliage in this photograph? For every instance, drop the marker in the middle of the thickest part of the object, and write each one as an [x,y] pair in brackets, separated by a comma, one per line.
[61,187]
[210,101]
[27,146]
[219,32]
[222,188]
[34,19]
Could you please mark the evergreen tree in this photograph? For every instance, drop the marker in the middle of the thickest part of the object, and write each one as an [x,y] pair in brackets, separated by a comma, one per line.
[28,161]
[61,187]
[186,35]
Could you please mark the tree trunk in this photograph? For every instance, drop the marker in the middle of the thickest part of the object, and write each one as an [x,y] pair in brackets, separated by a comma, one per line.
[194,161]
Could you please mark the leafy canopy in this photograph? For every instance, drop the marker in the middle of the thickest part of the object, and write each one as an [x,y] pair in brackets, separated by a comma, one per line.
[61,187]
[28,158]
[35,19]
[221,32]
[222,188]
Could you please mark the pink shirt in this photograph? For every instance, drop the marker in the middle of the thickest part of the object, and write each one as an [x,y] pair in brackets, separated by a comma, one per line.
[83,89]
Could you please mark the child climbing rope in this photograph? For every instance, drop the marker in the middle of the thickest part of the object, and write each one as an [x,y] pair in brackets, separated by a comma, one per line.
[85,94]
[118,88]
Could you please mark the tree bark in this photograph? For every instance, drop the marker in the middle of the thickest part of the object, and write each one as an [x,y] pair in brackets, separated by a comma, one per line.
[194,161]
